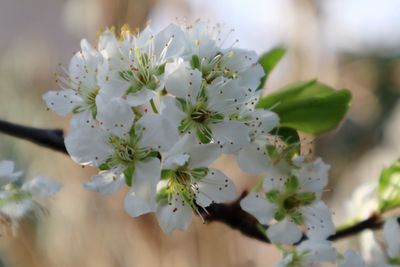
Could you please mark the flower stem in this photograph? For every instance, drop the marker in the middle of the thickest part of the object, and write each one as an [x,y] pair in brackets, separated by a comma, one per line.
[153,106]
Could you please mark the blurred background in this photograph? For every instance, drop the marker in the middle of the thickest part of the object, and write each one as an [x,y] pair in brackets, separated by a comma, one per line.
[346,44]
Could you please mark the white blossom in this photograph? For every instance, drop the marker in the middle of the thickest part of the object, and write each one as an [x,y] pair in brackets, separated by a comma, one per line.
[188,183]
[292,199]
[310,253]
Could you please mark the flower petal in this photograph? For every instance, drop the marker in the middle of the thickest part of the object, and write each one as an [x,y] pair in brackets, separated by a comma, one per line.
[391,233]
[258,206]
[183,81]
[232,135]
[106,182]
[41,186]
[313,176]
[62,102]
[88,146]
[115,115]
[318,221]
[174,215]
[141,198]
[352,259]
[157,132]
[215,187]
[276,176]
[7,174]
[141,97]
[253,159]
[284,232]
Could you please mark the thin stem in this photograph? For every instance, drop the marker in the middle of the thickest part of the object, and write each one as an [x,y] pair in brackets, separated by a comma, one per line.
[153,106]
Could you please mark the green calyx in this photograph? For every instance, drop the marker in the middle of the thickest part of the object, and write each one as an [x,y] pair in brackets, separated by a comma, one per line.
[214,67]
[15,196]
[144,74]
[290,200]
[198,119]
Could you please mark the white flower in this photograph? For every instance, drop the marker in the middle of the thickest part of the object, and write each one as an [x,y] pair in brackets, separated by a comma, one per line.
[391,234]
[309,253]
[17,201]
[292,200]
[129,153]
[207,111]
[208,51]
[7,173]
[352,259]
[79,87]
[188,183]
[134,66]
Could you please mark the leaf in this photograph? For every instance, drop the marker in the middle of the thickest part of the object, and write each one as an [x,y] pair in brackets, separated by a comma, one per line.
[311,106]
[389,187]
[268,61]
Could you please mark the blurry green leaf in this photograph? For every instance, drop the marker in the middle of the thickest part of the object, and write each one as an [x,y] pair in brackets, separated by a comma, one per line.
[268,61]
[311,107]
[389,187]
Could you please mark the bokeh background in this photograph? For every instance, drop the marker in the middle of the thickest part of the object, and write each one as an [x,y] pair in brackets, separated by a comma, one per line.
[347,44]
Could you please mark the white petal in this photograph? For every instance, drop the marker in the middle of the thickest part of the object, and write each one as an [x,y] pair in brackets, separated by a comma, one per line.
[88,146]
[251,77]
[171,111]
[317,251]
[106,182]
[233,135]
[263,121]
[258,206]
[169,42]
[276,176]
[182,81]
[352,259]
[253,159]
[174,215]
[17,210]
[7,174]
[83,65]
[62,102]
[42,187]
[115,115]
[313,176]
[318,221]
[215,187]
[141,97]
[391,234]
[176,161]
[141,198]
[284,232]
[157,132]
[202,155]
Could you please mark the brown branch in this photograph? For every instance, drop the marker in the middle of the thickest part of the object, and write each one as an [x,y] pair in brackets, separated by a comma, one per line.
[230,214]
[49,138]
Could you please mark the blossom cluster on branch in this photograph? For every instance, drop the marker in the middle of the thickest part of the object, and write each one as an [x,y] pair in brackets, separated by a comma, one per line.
[153,110]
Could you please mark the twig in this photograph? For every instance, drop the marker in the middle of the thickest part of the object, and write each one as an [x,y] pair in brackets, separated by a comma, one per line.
[230,214]
[50,138]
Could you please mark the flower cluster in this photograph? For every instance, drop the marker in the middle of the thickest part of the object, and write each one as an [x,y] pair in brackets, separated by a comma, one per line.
[316,253]
[19,198]
[291,199]
[153,110]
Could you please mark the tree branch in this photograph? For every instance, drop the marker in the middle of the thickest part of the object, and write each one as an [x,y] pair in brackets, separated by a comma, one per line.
[49,138]
[230,214]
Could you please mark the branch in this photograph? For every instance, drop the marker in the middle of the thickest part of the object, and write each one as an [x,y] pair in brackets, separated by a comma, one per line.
[50,138]
[230,214]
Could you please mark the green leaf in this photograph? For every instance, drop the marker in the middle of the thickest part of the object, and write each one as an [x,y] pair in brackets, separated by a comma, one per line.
[311,106]
[389,187]
[291,138]
[268,61]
